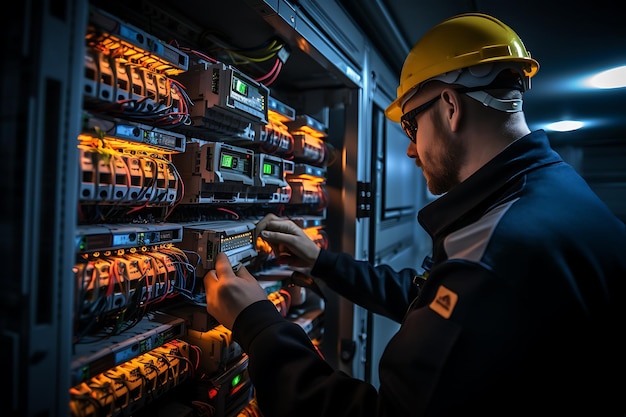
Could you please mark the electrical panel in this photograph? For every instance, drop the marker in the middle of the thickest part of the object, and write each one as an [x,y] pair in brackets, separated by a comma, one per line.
[157,136]
[183,147]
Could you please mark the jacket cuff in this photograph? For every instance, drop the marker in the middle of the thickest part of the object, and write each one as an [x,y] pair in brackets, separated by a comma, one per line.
[252,320]
[324,264]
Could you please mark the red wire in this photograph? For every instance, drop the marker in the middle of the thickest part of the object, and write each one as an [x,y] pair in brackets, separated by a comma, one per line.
[280,66]
[271,72]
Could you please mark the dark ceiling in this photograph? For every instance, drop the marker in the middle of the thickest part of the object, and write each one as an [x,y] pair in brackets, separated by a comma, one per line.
[571,40]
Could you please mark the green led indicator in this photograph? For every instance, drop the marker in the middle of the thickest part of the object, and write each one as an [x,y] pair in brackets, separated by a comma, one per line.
[240,87]
[227,161]
[267,168]
[235,381]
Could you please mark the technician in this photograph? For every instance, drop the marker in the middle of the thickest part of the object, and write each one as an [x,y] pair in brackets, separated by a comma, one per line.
[522,309]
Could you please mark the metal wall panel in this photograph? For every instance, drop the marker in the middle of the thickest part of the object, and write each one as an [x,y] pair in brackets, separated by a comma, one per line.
[40,181]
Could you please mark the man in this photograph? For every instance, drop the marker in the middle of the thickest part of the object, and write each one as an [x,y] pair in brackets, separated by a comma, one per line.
[521,312]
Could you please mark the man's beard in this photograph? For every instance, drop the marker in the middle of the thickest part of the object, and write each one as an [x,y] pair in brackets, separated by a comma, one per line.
[444,165]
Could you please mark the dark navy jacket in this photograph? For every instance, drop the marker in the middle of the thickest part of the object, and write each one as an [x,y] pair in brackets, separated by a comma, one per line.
[522,312]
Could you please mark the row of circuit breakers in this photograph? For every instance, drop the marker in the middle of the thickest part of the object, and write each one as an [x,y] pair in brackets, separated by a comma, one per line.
[213,172]
[166,131]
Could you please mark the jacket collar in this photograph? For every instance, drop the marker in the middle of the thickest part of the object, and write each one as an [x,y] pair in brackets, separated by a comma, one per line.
[485,187]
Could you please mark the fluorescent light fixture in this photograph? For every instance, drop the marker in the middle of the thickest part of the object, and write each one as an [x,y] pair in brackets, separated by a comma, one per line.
[565,125]
[611,78]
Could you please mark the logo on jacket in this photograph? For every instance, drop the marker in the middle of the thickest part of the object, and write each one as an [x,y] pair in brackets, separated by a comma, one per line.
[444,302]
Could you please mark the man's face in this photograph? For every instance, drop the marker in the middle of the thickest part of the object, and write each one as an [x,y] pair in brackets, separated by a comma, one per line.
[436,150]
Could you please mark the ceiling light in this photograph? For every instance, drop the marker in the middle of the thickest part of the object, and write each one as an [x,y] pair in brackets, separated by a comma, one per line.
[565,125]
[612,78]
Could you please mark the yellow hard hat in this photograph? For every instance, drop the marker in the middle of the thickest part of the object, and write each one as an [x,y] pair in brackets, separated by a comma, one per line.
[459,42]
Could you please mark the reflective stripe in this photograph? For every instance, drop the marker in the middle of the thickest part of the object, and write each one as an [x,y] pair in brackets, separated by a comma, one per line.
[470,242]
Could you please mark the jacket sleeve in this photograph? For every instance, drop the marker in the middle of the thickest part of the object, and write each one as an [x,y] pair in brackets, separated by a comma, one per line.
[379,289]
[288,372]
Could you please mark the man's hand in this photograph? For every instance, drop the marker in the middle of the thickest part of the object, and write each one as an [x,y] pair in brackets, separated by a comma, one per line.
[227,293]
[288,241]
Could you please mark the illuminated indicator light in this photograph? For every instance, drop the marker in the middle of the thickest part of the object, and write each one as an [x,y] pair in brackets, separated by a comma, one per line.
[240,87]
[267,168]
[235,381]
[227,161]
[212,393]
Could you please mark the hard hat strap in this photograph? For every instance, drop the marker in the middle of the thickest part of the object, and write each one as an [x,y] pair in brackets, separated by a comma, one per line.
[506,105]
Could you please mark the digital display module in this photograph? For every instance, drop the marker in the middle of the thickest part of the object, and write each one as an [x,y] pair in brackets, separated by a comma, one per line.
[235,162]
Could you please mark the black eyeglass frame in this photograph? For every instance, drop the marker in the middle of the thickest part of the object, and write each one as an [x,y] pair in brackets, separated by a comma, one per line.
[408,121]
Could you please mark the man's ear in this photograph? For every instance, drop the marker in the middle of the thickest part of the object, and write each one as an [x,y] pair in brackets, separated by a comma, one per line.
[453,108]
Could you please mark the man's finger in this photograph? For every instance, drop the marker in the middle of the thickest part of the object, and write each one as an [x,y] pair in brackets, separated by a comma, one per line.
[243,273]
[209,279]
[262,224]
[283,226]
[213,275]
[223,265]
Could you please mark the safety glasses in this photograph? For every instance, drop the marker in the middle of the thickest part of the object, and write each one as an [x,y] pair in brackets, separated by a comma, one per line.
[408,120]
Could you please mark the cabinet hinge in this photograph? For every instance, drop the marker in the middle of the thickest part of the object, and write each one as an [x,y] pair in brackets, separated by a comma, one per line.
[364,200]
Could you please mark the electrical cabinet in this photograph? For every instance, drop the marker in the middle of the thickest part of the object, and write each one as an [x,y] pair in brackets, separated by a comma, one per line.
[140,139]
